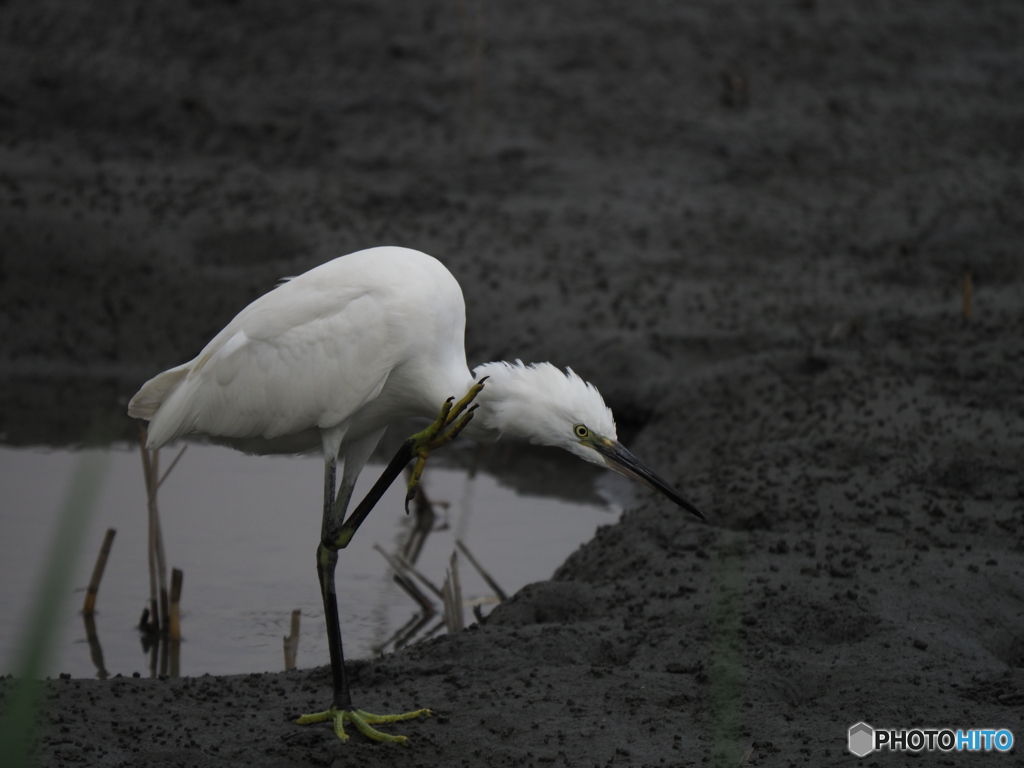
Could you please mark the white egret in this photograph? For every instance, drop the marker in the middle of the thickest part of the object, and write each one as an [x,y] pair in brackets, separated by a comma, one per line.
[330,358]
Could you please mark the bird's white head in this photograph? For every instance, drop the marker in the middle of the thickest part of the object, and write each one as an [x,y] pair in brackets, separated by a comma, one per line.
[544,405]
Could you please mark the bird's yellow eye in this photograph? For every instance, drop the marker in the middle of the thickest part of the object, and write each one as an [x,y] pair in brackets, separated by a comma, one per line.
[581,431]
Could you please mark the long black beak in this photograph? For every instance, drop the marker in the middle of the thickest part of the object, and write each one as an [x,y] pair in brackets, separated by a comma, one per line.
[625,463]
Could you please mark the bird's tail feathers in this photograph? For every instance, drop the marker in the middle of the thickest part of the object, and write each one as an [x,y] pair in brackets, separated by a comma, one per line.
[153,393]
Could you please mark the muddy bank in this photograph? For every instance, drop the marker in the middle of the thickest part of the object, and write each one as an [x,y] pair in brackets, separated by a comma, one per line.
[748,225]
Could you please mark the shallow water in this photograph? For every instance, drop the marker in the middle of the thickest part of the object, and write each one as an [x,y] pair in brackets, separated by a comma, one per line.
[244,530]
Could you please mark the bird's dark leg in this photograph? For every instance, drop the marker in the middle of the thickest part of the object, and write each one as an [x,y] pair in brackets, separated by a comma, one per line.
[341,710]
[341,535]
[335,535]
[326,562]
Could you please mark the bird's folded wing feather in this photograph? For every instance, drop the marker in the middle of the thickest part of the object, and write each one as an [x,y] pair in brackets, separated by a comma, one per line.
[294,359]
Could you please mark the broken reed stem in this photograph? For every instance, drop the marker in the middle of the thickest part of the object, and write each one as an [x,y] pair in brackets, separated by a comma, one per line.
[502,597]
[291,642]
[161,561]
[147,475]
[967,294]
[174,635]
[175,613]
[178,456]
[452,589]
[410,588]
[159,607]
[406,565]
[97,573]
[402,568]
[457,591]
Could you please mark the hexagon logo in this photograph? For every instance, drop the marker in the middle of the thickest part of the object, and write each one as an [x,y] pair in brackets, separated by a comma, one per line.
[862,739]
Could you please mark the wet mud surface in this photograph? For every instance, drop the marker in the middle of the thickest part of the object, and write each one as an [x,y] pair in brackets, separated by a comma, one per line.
[747,224]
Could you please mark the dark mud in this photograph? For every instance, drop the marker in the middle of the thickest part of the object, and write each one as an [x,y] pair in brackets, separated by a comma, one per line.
[747,223]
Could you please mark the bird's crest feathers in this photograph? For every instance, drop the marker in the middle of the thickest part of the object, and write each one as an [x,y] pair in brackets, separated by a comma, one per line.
[541,402]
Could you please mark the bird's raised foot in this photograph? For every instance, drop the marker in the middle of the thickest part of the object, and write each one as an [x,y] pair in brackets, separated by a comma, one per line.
[363,721]
[450,422]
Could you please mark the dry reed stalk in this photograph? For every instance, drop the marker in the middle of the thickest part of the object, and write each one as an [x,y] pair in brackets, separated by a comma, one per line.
[158,603]
[175,613]
[160,609]
[402,569]
[97,573]
[291,642]
[480,569]
[452,591]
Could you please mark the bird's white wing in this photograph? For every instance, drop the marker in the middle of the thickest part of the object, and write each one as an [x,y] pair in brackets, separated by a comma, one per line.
[307,354]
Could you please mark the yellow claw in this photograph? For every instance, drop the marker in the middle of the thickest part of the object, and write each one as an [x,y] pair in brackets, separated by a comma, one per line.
[364,722]
[445,429]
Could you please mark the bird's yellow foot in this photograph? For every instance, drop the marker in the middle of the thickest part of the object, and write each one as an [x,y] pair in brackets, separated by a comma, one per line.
[445,429]
[363,721]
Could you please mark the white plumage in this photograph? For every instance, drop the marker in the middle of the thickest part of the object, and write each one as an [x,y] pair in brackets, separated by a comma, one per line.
[334,356]
[338,353]
[346,348]
[542,404]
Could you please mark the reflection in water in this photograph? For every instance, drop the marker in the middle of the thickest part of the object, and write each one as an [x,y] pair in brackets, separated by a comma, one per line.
[164,652]
[403,563]
[245,530]
[164,655]
[412,629]
[409,552]
[89,607]
[95,650]
[404,574]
